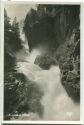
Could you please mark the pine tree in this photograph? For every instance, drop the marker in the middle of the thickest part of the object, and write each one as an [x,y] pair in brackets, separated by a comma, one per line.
[15,27]
[7,24]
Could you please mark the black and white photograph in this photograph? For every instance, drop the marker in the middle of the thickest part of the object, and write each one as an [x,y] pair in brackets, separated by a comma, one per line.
[41,62]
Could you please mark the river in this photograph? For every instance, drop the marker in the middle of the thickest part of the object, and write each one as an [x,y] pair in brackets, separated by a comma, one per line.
[57,105]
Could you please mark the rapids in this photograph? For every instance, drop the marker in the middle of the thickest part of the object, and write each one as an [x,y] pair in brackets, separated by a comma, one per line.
[55,101]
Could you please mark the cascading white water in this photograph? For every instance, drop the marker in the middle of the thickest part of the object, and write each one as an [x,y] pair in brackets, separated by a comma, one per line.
[56,103]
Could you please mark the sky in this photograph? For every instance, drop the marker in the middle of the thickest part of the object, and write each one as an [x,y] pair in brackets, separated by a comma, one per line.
[18,10]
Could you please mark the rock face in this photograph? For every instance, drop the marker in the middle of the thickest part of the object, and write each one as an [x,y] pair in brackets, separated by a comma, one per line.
[49,25]
[45,61]
[68,56]
[57,27]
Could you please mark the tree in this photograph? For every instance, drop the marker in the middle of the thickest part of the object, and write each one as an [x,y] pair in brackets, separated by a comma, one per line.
[15,27]
[7,24]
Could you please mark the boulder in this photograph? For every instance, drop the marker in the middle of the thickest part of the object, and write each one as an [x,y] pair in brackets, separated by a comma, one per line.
[45,61]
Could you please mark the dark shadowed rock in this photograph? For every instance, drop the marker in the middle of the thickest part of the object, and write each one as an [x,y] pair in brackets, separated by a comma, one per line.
[50,24]
[45,61]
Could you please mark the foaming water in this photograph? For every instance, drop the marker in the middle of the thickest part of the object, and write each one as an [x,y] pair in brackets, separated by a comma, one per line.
[33,55]
[56,103]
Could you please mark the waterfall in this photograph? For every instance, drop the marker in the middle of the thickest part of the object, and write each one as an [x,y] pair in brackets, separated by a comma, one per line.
[57,105]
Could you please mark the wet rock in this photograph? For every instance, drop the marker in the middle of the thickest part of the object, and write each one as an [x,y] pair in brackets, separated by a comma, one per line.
[45,61]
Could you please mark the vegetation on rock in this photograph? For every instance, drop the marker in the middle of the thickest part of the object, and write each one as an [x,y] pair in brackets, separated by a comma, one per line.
[21,95]
[69,62]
